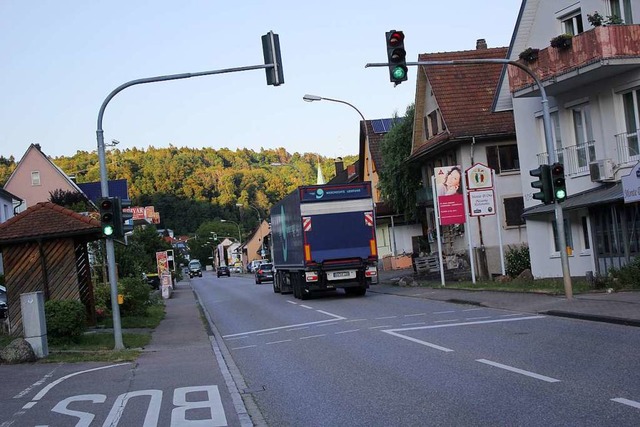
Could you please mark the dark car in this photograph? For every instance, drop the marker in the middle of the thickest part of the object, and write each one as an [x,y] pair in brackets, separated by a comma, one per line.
[195,268]
[223,270]
[264,273]
[3,302]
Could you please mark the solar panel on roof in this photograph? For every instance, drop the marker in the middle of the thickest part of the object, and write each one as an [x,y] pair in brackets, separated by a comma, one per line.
[378,126]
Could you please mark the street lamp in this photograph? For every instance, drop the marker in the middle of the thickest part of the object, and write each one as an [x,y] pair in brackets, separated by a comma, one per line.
[262,251]
[239,237]
[311,98]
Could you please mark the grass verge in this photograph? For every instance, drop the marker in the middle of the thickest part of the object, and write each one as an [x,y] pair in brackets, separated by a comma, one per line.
[546,286]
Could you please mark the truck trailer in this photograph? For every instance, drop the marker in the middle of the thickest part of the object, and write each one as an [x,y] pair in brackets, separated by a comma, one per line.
[323,238]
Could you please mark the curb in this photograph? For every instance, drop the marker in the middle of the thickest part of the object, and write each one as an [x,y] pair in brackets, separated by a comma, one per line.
[593,318]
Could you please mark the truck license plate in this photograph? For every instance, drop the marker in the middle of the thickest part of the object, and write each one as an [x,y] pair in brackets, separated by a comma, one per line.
[342,275]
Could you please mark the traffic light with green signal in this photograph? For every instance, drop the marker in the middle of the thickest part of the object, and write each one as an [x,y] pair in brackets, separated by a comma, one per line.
[108,209]
[543,173]
[558,181]
[396,56]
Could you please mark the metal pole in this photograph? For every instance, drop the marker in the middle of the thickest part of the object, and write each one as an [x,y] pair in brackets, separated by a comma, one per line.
[104,183]
[552,157]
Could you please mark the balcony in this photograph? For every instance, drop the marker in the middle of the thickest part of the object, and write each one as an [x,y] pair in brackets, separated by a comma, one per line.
[599,53]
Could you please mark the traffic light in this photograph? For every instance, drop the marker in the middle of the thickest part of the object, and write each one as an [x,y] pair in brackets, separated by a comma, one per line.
[559,185]
[107,206]
[126,217]
[543,173]
[271,53]
[396,56]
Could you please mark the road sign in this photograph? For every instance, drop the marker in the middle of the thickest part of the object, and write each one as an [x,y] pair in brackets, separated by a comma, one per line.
[481,203]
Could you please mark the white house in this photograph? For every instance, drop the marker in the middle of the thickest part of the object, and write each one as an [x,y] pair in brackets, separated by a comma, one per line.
[593,88]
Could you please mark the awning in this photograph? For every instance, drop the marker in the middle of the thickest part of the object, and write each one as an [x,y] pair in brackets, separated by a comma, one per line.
[604,194]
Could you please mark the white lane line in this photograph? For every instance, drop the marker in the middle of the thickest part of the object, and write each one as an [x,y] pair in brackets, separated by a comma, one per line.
[386,317]
[417,314]
[267,333]
[443,312]
[518,371]
[346,332]
[473,309]
[246,346]
[425,343]
[444,321]
[413,324]
[380,327]
[237,338]
[478,318]
[278,342]
[306,306]
[297,329]
[292,302]
[355,320]
[313,336]
[510,315]
[36,384]
[331,314]
[628,402]
[45,390]
[481,322]
[319,322]
[327,324]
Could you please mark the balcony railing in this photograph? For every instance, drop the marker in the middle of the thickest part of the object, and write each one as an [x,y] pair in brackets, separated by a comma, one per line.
[576,158]
[627,144]
[594,54]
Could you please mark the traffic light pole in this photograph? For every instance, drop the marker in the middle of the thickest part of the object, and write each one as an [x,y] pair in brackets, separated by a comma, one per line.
[104,185]
[552,157]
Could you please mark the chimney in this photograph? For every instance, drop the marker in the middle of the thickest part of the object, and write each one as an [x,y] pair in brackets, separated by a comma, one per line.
[481,44]
[339,165]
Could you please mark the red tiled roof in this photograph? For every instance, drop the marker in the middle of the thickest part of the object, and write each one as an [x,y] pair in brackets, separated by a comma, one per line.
[465,93]
[47,220]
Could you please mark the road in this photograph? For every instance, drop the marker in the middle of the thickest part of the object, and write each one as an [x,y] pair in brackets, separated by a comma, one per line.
[383,360]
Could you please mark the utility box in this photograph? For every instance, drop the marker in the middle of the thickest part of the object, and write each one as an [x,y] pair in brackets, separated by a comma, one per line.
[34,323]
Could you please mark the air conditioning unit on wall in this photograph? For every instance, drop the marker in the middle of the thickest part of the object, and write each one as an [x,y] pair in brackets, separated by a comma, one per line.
[602,170]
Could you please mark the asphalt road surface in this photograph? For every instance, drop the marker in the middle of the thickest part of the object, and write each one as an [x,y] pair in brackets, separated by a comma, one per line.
[386,360]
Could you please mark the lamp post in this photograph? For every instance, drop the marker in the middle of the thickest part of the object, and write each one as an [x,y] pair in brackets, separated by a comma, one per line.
[262,251]
[239,238]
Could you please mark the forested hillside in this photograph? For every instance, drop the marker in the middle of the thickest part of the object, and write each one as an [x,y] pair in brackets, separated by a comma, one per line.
[190,186]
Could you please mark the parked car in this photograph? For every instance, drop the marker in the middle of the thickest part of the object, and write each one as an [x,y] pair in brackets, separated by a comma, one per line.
[195,268]
[264,273]
[253,265]
[3,302]
[223,270]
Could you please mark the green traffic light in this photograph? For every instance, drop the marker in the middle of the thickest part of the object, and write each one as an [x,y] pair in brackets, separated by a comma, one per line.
[107,230]
[399,73]
[561,195]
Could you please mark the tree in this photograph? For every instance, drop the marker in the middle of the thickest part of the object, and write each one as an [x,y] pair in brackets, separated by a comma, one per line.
[73,200]
[400,179]
[139,256]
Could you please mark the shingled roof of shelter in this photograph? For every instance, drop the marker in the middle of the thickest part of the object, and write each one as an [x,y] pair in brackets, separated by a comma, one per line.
[465,93]
[46,220]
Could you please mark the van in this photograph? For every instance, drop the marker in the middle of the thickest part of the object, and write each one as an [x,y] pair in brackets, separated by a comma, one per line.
[195,269]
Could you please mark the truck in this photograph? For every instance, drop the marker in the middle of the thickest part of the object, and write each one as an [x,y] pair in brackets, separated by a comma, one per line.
[323,237]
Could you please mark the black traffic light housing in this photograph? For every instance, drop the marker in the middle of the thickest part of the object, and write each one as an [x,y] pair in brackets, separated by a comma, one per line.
[396,56]
[543,173]
[558,181]
[271,53]
[125,217]
[108,209]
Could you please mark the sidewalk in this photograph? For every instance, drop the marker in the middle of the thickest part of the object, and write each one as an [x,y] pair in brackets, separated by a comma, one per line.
[616,307]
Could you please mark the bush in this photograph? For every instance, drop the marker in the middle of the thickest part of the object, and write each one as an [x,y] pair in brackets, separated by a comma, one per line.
[136,295]
[102,295]
[625,277]
[66,320]
[518,260]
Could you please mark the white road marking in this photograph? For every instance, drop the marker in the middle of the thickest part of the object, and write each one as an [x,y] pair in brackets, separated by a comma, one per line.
[510,315]
[518,371]
[246,346]
[346,332]
[413,324]
[478,318]
[355,320]
[297,329]
[628,402]
[319,322]
[292,302]
[386,317]
[443,321]
[29,405]
[45,390]
[238,338]
[313,336]
[267,333]
[473,309]
[327,324]
[425,343]
[444,312]
[417,314]
[306,306]
[278,342]
[36,384]
[331,314]
[380,327]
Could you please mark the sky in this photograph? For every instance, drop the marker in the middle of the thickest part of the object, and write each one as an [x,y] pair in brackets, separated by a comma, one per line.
[60,59]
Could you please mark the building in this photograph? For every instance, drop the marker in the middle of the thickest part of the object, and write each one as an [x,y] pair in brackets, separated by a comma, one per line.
[593,86]
[455,125]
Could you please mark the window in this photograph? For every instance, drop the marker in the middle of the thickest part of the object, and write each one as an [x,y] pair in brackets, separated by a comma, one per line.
[513,207]
[567,235]
[630,102]
[35,178]
[503,158]
[557,135]
[431,124]
[572,24]
[585,145]
[622,10]
[585,234]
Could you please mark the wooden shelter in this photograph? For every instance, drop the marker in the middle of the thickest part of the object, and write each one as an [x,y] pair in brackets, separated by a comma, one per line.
[44,249]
